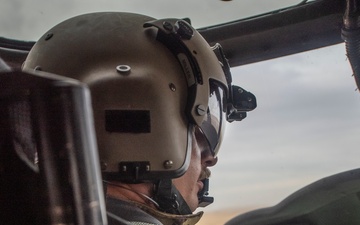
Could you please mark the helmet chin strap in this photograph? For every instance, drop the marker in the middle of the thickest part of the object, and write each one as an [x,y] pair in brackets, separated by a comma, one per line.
[169,198]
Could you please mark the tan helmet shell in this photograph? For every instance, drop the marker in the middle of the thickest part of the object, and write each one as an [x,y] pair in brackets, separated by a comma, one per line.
[126,69]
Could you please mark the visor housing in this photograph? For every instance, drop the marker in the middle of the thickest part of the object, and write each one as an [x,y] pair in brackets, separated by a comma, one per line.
[210,92]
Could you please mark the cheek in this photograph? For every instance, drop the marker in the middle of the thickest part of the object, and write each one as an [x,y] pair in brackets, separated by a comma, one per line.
[195,163]
[189,180]
[194,170]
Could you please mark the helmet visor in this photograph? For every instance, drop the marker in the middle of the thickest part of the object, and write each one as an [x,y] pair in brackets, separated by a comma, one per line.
[212,126]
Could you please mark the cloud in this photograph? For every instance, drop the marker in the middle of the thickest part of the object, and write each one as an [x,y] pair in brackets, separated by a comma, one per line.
[305,128]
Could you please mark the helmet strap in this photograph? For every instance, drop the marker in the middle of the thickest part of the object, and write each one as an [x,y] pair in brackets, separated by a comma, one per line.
[169,198]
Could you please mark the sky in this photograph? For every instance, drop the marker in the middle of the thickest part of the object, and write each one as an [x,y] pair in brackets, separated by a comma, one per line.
[304,128]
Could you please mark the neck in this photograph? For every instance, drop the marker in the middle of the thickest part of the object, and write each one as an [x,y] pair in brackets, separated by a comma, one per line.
[140,193]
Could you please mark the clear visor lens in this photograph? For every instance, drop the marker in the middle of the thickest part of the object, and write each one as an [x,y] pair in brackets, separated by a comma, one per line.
[212,126]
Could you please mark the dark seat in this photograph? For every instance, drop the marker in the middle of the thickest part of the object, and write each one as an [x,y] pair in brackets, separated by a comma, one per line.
[49,172]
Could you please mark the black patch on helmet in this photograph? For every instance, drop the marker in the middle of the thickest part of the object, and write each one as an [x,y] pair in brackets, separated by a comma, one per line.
[127,121]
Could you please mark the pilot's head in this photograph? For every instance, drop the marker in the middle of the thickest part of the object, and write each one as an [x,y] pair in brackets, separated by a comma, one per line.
[158,91]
